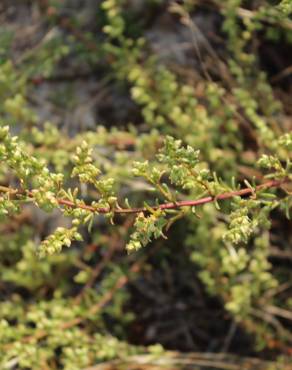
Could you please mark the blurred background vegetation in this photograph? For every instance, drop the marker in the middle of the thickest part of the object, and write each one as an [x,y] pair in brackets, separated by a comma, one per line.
[215,74]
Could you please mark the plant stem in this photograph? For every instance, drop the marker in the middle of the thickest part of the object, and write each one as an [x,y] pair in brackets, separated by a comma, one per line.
[164,206]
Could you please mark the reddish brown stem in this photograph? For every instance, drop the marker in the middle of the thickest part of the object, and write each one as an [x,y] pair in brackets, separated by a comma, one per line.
[183,203]
[164,206]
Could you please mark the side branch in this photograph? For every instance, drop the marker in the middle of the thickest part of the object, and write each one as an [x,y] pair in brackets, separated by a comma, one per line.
[164,206]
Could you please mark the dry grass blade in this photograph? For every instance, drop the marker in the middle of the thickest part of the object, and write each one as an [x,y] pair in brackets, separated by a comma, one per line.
[191,361]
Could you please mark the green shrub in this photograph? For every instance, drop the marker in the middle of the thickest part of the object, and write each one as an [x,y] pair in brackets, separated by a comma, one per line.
[214,153]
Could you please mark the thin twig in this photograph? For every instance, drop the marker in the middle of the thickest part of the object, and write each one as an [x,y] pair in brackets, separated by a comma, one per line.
[164,206]
[115,243]
[278,311]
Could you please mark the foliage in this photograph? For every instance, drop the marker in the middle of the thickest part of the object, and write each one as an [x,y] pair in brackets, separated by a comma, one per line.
[213,153]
